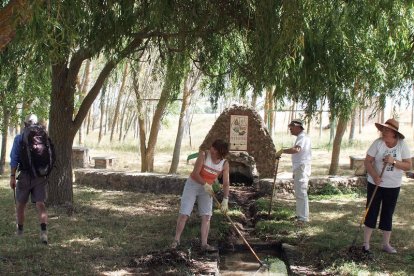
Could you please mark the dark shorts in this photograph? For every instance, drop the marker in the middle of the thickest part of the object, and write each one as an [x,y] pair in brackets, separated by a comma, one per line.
[26,185]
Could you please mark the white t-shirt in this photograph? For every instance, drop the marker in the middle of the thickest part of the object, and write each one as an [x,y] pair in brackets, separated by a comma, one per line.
[304,156]
[392,176]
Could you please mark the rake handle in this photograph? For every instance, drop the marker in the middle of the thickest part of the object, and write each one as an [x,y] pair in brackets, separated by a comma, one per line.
[238,231]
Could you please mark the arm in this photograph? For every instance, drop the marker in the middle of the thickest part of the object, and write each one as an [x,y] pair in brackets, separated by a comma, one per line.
[292,150]
[14,161]
[404,164]
[226,179]
[195,174]
[370,166]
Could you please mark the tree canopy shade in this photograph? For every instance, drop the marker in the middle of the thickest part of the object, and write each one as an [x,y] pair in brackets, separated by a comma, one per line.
[309,50]
[70,32]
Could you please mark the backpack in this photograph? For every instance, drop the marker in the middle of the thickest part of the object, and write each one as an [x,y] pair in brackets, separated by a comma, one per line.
[37,153]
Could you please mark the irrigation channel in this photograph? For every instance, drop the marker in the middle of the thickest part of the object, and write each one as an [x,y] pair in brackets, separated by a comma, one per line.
[241,257]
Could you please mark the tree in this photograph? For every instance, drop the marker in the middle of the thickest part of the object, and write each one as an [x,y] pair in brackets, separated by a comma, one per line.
[190,81]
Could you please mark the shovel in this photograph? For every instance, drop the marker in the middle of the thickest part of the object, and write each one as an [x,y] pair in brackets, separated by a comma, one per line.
[238,232]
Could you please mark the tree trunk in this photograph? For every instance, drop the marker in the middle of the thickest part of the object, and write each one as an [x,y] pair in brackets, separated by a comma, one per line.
[188,93]
[83,91]
[128,125]
[118,102]
[353,126]
[141,117]
[332,125]
[125,113]
[156,123]
[271,111]
[101,118]
[5,126]
[336,150]
[254,99]
[62,126]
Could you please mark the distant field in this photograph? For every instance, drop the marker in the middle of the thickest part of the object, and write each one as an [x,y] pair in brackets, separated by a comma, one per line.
[128,158]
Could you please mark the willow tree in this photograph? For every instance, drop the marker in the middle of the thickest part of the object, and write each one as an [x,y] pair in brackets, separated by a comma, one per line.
[345,52]
[68,32]
[23,89]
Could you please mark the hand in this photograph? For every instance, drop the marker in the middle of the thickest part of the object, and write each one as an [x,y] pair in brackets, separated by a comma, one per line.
[209,189]
[225,205]
[13,182]
[389,159]
[279,153]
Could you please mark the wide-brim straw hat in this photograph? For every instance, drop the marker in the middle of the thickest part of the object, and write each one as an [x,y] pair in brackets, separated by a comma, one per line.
[391,124]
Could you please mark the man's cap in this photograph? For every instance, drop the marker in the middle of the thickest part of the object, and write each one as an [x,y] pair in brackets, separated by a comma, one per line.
[296,122]
[31,119]
[390,124]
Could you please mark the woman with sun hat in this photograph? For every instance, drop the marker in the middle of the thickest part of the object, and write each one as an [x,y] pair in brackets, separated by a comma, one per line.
[389,150]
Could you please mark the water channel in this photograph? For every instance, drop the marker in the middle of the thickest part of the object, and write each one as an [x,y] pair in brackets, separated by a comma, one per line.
[244,263]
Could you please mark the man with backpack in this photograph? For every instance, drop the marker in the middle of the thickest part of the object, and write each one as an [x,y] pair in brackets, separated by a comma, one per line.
[32,156]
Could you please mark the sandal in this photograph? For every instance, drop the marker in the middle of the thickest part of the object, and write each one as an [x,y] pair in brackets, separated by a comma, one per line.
[208,248]
[175,244]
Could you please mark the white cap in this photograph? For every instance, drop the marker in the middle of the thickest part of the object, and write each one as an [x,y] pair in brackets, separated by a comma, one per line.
[31,119]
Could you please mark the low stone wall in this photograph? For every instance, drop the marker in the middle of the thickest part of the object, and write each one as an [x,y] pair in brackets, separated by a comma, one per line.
[174,184]
[129,181]
[285,185]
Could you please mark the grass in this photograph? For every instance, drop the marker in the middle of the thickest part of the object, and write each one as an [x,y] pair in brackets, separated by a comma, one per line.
[108,228]
[334,223]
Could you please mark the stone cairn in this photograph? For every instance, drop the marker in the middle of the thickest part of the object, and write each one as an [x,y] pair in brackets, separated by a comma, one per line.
[259,143]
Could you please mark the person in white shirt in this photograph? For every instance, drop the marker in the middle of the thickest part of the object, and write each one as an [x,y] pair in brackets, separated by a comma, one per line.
[301,165]
[391,151]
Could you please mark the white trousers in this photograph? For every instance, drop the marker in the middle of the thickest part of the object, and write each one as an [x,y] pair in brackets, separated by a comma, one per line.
[301,174]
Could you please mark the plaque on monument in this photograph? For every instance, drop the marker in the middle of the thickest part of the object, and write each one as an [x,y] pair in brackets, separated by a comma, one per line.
[238,132]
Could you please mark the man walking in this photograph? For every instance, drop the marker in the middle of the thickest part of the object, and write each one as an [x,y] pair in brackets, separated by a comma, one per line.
[301,166]
[26,184]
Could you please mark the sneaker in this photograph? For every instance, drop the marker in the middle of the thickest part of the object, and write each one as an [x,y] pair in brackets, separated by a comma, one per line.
[366,252]
[208,248]
[19,233]
[43,237]
[389,249]
[174,244]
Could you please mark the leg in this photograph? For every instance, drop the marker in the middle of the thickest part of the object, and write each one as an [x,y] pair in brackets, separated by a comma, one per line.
[205,229]
[367,236]
[389,203]
[188,199]
[41,210]
[20,212]
[181,221]
[301,192]
[205,210]
[370,220]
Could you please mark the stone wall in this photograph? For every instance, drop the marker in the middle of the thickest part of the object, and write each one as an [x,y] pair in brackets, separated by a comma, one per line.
[174,184]
[259,143]
[133,182]
[285,185]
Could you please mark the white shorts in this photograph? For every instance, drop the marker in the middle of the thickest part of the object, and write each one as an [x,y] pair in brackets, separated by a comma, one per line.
[193,191]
